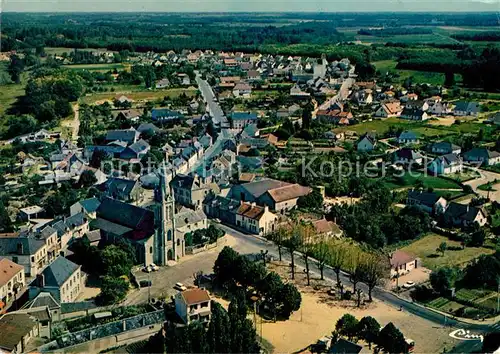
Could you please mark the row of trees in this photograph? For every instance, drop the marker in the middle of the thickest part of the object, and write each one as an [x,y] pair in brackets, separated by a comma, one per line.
[228,332]
[389,338]
[371,268]
[235,272]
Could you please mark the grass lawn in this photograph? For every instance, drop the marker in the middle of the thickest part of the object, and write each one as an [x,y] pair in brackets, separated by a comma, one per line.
[417,76]
[487,186]
[425,249]
[10,92]
[466,175]
[471,294]
[410,179]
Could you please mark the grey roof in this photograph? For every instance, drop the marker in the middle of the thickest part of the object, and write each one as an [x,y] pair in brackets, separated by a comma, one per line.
[61,227]
[59,271]
[75,220]
[90,205]
[110,227]
[462,211]
[119,184]
[139,146]
[480,153]
[464,106]
[94,235]
[206,141]
[47,232]
[144,127]
[408,154]
[69,307]
[408,135]
[124,214]
[128,135]
[9,245]
[448,159]
[258,188]
[425,198]
[189,217]
[444,145]
[182,181]
[244,116]
[43,299]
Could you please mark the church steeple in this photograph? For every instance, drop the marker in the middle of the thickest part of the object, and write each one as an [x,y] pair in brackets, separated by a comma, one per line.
[167,215]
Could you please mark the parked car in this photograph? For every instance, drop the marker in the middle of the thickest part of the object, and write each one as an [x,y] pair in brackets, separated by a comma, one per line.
[409,284]
[179,287]
[154,267]
[145,283]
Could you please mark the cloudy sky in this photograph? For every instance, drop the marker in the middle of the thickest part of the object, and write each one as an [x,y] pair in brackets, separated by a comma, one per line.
[248,5]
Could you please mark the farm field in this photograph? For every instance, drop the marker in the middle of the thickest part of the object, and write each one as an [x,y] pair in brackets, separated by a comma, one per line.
[417,76]
[136,95]
[61,50]
[425,249]
[11,91]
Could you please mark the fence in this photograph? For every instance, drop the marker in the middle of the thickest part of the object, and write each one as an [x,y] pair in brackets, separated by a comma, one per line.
[205,247]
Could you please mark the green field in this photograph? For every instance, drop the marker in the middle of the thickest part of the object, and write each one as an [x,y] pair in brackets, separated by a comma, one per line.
[445,305]
[423,77]
[61,50]
[410,179]
[10,92]
[425,249]
[97,67]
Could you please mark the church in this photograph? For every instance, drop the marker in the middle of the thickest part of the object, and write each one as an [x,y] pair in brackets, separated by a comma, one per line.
[157,232]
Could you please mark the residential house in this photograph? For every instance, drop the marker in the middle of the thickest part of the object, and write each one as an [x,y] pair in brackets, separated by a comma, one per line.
[253,75]
[186,221]
[427,201]
[148,128]
[408,137]
[12,280]
[363,97]
[49,235]
[192,154]
[28,252]
[222,208]
[417,105]
[446,164]
[129,136]
[136,151]
[366,143]
[296,91]
[408,156]
[70,228]
[31,212]
[193,305]
[132,115]
[494,119]
[242,89]
[402,263]
[17,330]
[283,199]
[444,147]
[438,109]
[165,115]
[389,109]
[87,206]
[191,190]
[464,215]
[240,120]
[483,156]
[229,81]
[121,189]
[464,108]
[414,114]
[184,78]
[255,219]
[63,279]
[326,228]
[163,83]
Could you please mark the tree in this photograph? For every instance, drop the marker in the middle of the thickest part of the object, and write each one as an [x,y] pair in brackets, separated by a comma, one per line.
[313,200]
[443,280]
[115,261]
[278,237]
[368,329]
[442,248]
[307,246]
[491,342]
[223,266]
[355,268]
[16,67]
[375,269]
[290,300]
[98,156]
[339,255]
[477,237]
[217,338]
[293,244]
[347,326]
[87,179]
[392,340]
[113,290]
[322,254]
[5,222]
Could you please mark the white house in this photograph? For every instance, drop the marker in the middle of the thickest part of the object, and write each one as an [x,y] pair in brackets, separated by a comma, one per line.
[193,305]
[446,164]
[255,219]
[366,143]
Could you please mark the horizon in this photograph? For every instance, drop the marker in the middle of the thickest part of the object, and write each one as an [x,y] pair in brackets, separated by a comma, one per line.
[240,6]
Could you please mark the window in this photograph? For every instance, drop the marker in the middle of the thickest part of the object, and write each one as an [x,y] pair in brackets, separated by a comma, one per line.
[32,258]
[204,304]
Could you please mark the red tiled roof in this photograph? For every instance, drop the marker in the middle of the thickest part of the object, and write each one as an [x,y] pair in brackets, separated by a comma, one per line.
[288,192]
[400,257]
[195,296]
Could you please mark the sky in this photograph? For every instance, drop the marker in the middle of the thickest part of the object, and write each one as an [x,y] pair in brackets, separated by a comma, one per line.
[248,5]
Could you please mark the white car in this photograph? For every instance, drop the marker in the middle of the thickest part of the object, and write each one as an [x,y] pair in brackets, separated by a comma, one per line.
[154,267]
[179,287]
[409,284]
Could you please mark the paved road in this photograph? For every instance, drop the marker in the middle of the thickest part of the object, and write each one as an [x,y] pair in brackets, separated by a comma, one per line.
[165,279]
[213,107]
[378,293]
[486,176]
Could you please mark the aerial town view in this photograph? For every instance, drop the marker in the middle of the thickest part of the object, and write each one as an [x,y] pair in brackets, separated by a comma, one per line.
[207,176]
